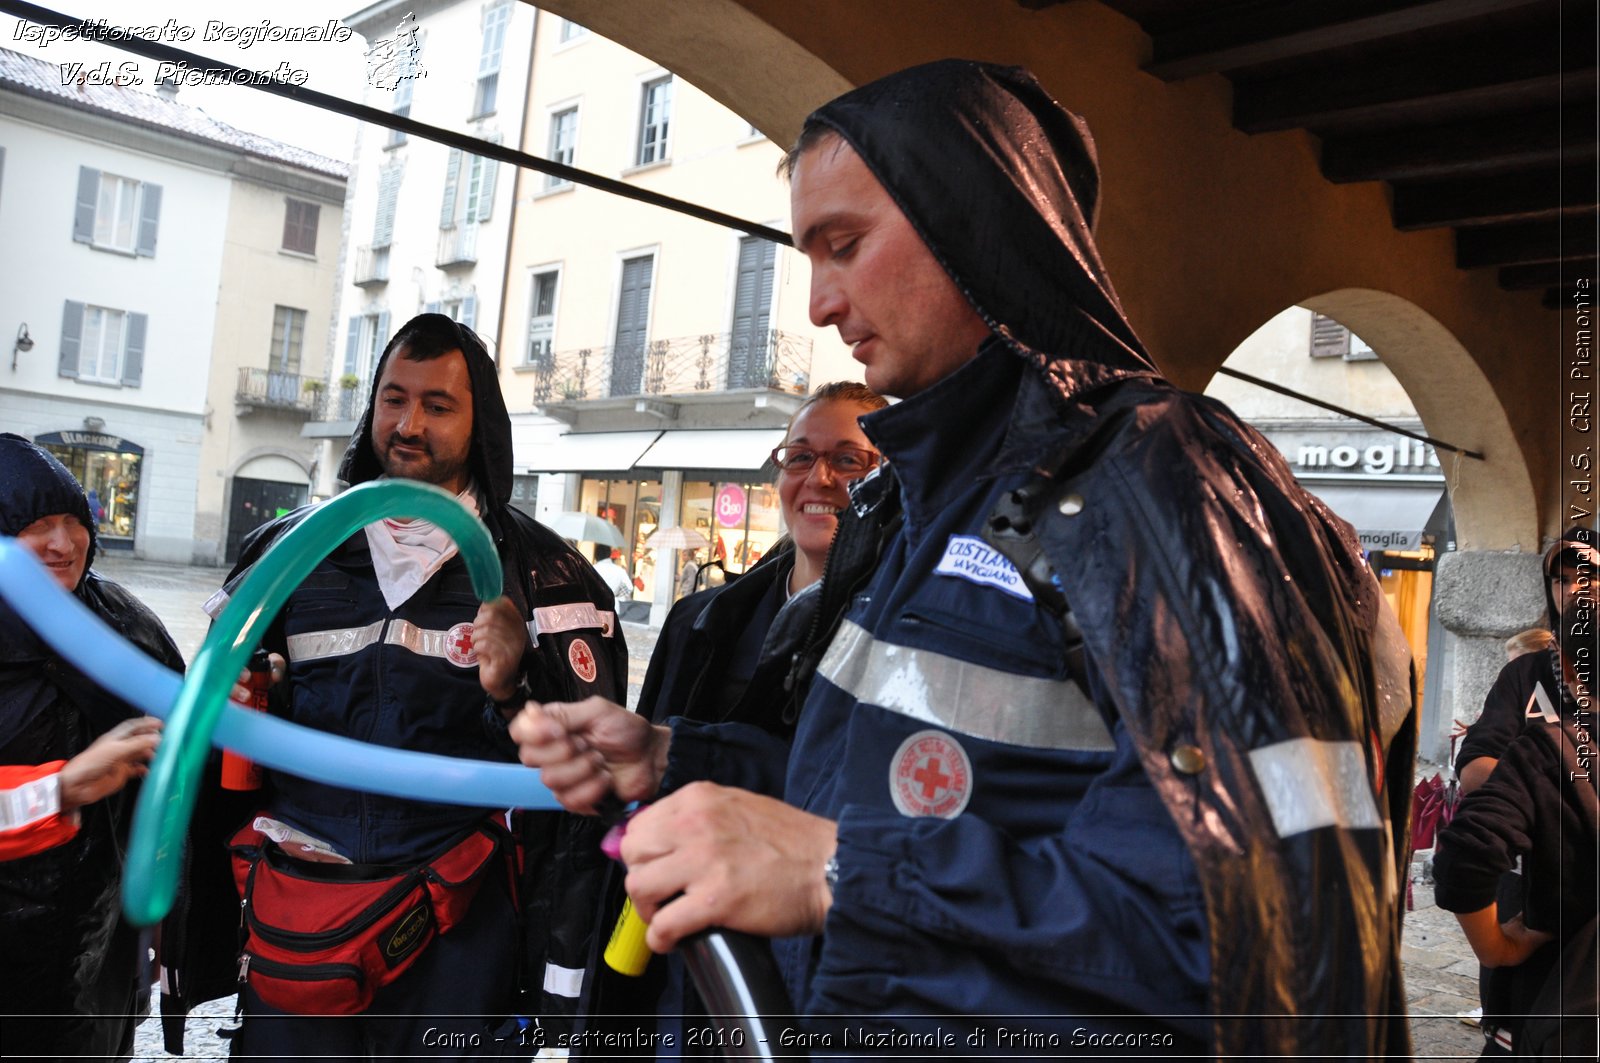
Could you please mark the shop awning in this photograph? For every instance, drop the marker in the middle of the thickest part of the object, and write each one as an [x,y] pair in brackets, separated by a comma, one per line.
[1386,518]
[738,448]
[591,452]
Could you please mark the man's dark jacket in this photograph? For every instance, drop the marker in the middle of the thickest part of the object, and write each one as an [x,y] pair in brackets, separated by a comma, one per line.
[1229,617]
[562,862]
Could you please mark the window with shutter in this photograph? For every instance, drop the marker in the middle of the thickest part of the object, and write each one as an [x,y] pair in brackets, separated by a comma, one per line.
[489,54]
[752,309]
[103,339]
[388,199]
[633,318]
[542,316]
[300,226]
[116,213]
[563,143]
[1329,339]
[452,175]
[288,334]
[655,116]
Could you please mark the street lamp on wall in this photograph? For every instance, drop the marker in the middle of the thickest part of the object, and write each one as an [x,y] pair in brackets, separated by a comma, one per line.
[24,343]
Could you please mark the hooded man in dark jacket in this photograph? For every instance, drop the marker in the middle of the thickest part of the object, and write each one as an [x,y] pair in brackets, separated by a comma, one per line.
[1108,732]
[73,981]
[386,642]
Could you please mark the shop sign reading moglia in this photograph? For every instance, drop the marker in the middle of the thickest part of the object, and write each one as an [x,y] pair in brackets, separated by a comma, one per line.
[1338,452]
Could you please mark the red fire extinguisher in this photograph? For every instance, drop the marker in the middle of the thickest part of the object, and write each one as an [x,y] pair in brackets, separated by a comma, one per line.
[238,772]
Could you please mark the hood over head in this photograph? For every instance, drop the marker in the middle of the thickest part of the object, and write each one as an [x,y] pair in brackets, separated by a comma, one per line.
[33,484]
[1001,183]
[1579,548]
[489,458]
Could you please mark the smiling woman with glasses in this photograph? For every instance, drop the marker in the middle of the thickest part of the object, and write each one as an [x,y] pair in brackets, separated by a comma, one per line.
[707,664]
[848,462]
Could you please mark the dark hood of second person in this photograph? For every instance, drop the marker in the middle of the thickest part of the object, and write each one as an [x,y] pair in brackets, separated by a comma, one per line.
[956,141]
[489,459]
[33,484]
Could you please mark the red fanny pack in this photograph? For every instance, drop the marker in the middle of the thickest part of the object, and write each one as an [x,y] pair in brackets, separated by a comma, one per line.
[321,939]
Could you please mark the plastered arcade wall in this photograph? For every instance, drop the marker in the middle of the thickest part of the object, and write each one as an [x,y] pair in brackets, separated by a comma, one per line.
[1207,232]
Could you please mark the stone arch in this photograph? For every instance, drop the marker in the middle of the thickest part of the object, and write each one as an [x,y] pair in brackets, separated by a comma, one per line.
[1494,499]
[734,56]
[304,463]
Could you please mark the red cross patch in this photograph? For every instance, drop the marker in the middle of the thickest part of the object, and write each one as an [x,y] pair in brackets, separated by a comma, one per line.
[458,646]
[930,776]
[581,657]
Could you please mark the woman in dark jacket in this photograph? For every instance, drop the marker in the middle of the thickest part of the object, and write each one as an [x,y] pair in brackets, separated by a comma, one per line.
[73,974]
[707,663]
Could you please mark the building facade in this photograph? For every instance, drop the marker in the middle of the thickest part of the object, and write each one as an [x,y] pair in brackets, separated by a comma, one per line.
[428,224]
[656,358]
[158,251]
[650,360]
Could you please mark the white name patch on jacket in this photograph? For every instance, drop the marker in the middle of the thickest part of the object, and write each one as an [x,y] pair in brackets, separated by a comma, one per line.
[970,558]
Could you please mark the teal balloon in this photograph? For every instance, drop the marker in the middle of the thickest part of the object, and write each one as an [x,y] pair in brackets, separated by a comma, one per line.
[166,802]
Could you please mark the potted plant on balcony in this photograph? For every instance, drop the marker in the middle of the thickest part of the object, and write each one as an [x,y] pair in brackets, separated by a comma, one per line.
[349,381]
[313,386]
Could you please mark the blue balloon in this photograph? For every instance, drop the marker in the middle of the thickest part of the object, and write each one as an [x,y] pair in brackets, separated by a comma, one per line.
[91,646]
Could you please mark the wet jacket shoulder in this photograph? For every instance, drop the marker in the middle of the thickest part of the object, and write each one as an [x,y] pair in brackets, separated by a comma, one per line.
[687,673]
[1280,670]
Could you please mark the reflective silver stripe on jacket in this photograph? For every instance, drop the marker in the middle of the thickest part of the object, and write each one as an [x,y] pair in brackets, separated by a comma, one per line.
[575,617]
[959,696]
[314,645]
[34,800]
[427,642]
[563,981]
[1309,783]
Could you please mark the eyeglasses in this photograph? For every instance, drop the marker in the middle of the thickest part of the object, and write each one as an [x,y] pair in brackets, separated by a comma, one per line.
[845,461]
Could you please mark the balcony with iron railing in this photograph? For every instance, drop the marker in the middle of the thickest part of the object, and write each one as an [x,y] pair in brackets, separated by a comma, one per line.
[688,365]
[458,246]
[341,402]
[371,267]
[268,389]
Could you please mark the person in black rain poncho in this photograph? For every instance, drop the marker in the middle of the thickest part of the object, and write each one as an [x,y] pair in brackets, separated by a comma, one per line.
[1177,834]
[73,981]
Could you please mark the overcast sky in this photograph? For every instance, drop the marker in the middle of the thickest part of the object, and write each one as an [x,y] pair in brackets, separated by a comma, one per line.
[334,68]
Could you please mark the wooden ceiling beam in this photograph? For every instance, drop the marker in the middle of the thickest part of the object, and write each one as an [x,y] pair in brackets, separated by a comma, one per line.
[1527,196]
[1548,275]
[1443,80]
[1526,243]
[1250,36]
[1544,137]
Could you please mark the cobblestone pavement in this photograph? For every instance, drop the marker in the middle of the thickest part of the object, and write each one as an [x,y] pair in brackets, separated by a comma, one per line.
[1440,971]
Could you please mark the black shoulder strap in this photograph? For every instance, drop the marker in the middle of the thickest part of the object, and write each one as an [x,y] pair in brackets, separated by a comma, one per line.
[1012,529]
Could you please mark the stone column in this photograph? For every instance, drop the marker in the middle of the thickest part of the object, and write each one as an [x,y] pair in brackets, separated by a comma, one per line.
[1480,599]
[666,560]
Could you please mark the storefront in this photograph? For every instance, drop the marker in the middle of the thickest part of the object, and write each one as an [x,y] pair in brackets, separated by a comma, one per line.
[108,467]
[714,483]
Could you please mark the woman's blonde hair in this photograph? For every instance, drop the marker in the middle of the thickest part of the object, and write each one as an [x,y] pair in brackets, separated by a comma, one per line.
[838,391]
[1530,641]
